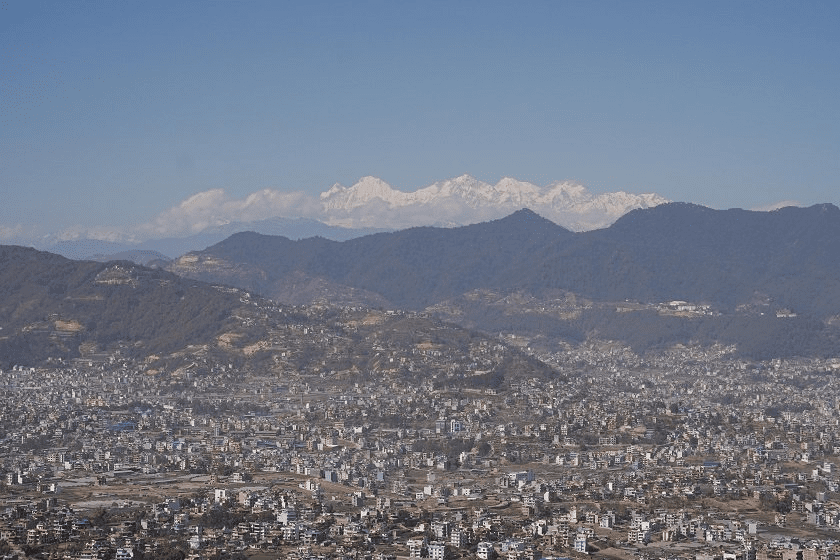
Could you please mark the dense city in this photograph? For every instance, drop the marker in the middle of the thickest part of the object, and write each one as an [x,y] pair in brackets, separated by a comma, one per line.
[686,453]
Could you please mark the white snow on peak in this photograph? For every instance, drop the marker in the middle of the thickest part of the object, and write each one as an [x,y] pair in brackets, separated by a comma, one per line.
[465,199]
[518,192]
[369,203]
[335,189]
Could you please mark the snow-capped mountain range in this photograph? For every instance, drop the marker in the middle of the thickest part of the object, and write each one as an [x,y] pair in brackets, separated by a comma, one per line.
[372,202]
[341,213]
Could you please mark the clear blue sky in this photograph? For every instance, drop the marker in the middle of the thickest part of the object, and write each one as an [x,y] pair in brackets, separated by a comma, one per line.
[113,111]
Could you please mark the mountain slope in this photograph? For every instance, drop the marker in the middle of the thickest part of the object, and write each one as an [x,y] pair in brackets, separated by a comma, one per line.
[411,269]
[53,306]
[726,257]
[171,247]
[736,262]
[673,251]
[152,322]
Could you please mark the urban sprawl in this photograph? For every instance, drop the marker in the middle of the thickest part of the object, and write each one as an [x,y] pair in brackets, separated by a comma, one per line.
[685,453]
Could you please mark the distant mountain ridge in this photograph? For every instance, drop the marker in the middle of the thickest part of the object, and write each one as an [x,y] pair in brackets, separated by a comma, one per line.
[340,213]
[409,269]
[672,251]
[728,257]
[171,247]
[465,200]
[785,261]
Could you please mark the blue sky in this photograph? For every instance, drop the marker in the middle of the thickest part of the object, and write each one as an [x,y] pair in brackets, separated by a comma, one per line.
[113,112]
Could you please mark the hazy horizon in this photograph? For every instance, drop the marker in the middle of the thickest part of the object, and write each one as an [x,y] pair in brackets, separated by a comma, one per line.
[121,117]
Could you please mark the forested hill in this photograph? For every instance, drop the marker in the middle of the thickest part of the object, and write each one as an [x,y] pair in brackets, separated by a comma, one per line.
[52,306]
[53,309]
[789,258]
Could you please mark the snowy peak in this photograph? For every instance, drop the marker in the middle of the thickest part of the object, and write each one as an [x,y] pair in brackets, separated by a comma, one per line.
[334,190]
[567,193]
[465,199]
[365,190]
[340,212]
[512,189]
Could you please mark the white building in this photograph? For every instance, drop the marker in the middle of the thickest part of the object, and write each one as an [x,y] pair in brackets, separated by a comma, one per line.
[485,550]
[580,543]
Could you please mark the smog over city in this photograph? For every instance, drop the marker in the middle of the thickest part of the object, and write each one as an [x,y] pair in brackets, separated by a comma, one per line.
[450,280]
